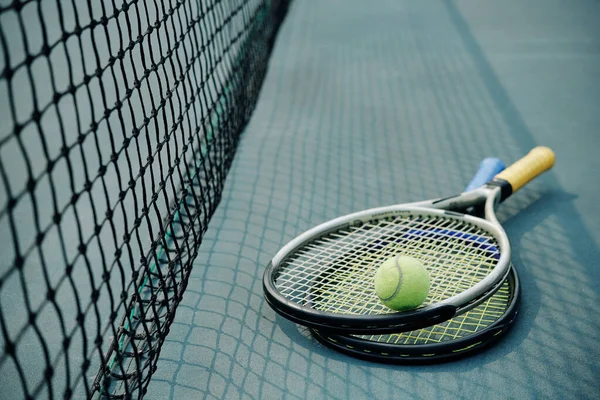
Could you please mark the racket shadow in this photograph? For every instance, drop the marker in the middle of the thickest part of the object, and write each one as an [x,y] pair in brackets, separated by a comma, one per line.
[301,336]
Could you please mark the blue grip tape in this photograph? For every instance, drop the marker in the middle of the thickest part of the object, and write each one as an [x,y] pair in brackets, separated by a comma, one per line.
[488,168]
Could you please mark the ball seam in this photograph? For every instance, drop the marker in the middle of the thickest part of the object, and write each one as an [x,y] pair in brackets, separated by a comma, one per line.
[400,278]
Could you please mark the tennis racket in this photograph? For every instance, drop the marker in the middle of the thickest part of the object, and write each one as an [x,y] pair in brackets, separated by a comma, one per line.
[324,277]
[462,335]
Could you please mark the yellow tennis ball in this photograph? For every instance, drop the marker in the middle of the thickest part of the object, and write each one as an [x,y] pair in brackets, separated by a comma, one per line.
[402,283]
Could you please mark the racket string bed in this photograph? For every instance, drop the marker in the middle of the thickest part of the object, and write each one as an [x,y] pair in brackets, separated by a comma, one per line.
[334,273]
[462,325]
[457,337]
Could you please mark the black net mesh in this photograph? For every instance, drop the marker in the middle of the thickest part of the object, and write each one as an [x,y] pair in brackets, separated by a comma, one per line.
[118,123]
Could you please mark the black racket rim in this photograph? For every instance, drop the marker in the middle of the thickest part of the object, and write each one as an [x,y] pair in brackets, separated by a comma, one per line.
[367,324]
[429,353]
[359,324]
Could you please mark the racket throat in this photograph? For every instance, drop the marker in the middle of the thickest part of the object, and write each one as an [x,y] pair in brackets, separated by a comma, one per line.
[505,187]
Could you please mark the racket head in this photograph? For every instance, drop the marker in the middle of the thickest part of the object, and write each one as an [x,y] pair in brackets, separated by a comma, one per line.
[324,278]
[295,295]
[458,337]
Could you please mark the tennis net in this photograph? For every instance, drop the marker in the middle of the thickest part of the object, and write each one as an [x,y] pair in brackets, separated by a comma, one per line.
[118,123]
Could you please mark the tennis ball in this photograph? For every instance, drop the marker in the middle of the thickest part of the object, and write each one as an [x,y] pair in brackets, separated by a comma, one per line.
[402,283]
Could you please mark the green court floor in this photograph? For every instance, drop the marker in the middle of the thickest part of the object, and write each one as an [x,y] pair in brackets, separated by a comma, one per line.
[375,103]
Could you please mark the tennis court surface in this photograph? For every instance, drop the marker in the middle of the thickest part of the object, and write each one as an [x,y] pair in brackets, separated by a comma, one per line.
[154,157]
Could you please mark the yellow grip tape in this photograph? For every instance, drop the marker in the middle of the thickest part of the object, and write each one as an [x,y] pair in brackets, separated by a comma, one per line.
[538,160]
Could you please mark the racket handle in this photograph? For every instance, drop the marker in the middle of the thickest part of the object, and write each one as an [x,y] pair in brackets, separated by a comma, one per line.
[538,160]
[488,168]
